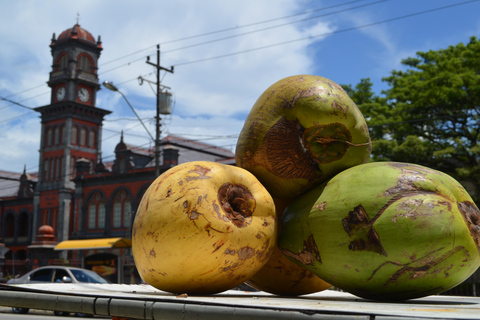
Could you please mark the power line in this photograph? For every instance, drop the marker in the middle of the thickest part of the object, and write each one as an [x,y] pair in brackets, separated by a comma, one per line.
[265,47]
[325,34]
[18,104]
[248,33]
[312,37]
[272,27]
[230,37]
[229,29]
[17,117]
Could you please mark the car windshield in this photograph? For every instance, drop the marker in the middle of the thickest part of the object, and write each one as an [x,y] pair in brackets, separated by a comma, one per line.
[87,276]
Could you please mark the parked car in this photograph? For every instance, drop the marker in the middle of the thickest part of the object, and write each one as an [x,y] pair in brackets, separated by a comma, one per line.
[58,274]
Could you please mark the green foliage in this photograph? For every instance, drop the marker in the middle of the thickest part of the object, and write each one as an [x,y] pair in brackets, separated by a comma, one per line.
[430,115]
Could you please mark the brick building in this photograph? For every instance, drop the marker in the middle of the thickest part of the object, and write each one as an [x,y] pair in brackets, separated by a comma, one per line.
[75,198]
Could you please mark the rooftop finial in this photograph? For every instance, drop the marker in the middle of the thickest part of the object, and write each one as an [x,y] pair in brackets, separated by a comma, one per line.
[78,17]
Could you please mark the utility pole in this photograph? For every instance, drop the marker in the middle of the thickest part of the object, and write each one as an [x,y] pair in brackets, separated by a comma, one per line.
[157,119]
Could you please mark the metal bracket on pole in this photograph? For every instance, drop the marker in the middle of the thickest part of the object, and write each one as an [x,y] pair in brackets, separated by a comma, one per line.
[157,120]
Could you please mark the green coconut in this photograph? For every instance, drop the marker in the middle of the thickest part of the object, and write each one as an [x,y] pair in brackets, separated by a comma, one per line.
[300,132]
[385,231]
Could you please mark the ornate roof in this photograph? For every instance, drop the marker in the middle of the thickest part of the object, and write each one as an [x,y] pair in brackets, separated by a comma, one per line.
[76,32]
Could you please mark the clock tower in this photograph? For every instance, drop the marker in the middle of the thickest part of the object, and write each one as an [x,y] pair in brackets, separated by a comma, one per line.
[71,126]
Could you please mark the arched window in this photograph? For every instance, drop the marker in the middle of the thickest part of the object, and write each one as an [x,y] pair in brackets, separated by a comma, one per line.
[85,63]
[23,226]
[72,167]
[62,61]
[58,168]
[55,169]
[74,135]
[122,208]
[91,138]
[56,136]
[122,165]
[46,170]
[83,137]
[51,170]
[96,212]
[48,141]
[10,225]
[62,135]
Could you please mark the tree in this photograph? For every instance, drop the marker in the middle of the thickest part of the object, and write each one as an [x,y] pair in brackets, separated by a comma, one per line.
[430,115]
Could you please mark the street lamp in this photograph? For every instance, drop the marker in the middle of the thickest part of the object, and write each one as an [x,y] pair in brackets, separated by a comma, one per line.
[111,86]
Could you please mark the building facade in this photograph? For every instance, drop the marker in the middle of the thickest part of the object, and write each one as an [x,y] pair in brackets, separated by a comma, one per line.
[75,195]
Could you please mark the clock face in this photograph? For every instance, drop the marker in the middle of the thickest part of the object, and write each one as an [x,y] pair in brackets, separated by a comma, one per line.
[60,94]
[84,94]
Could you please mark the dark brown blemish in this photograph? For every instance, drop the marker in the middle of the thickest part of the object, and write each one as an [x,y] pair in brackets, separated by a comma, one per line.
[361,232]
[217,209]
[406,182]
[152,253]
[237,202]
[218,245]
[246,253]
[230,252]
[337,108]
[471,215]
[201,173]
[329,143]
[194,215]
[191,212]
[308,254]
[313,91]
[282,152]
[169,193]
[420,267]
[262,254]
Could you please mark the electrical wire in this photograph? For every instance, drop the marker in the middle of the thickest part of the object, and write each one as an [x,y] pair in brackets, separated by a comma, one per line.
[301,39]
[324,34]
[228,29]
[246,33]
[272,45]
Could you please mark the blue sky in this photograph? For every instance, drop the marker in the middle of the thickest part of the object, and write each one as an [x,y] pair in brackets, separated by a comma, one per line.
[230,53]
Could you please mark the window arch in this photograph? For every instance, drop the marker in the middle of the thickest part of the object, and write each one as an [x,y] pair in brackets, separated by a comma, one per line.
[46,170]
[58,168]
[74,135]
[62,61]
[72,167]
[83,136]
[122,208]
[96,212]
[56,136]
[91,138]
[62,134]
[85,63]
[51,169]
[48,138]
[9,225]
[23,225]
